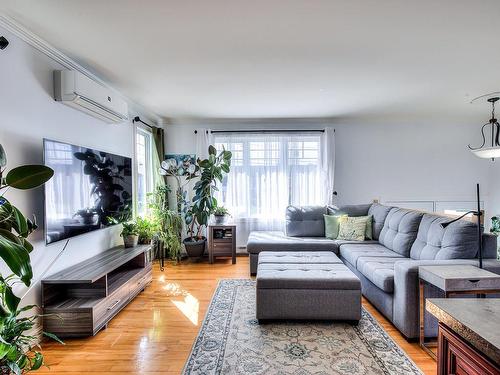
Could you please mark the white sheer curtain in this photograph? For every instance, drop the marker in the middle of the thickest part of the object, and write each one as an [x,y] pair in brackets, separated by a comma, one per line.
[203,140]
[270,171]
[328,163]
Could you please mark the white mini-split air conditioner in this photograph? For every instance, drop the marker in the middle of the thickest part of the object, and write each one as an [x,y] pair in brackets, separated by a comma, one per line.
[79,91]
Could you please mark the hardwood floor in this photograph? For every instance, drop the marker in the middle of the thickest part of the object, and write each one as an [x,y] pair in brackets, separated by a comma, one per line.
[154,334]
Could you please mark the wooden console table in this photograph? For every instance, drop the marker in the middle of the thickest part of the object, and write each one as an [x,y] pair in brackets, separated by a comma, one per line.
[221,241]
[82,299]
[469,335]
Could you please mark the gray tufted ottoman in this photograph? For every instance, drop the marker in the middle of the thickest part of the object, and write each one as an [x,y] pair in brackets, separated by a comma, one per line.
[309,291]
[298,257]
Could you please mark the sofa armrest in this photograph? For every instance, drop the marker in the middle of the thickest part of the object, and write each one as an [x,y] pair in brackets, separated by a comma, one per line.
[406,292]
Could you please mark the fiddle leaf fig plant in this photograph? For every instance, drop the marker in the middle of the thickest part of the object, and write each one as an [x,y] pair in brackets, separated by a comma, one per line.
[212,170]
[16,347]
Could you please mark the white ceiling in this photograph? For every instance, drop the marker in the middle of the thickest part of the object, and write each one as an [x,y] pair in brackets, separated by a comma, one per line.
[277,58]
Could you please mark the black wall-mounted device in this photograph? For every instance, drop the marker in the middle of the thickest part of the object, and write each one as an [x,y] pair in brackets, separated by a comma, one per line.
[3,42]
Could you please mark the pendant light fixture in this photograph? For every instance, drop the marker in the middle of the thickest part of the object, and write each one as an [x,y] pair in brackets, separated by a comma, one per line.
[492,151]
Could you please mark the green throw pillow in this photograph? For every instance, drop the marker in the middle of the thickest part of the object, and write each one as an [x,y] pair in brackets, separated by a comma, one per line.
[369,229]
[352,228]
[332,223]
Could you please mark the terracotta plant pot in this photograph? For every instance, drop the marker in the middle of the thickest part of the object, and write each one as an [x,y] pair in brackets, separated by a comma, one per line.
[130,240]
[196,248]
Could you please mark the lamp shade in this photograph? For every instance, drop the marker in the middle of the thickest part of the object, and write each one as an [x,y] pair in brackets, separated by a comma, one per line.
[487,152]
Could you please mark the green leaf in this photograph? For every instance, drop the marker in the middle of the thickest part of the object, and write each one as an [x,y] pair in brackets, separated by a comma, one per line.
[20,224]
[53,337]
[37,361]
[10,299]
[28,176]
[212,150]
[204,163]
[26,308]
[17,259]
[5,349]
[3,157]
[26,244]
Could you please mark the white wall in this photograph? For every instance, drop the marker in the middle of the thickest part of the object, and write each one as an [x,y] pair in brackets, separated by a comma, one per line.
[416,159]
[29,114]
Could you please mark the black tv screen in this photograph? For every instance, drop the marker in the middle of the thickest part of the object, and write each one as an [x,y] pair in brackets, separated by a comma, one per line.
[90,190]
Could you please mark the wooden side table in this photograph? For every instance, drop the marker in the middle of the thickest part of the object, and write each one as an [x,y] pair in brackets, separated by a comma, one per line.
[221,241]
[453,280]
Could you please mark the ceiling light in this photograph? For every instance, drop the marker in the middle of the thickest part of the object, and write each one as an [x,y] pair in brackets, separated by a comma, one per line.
[493,151]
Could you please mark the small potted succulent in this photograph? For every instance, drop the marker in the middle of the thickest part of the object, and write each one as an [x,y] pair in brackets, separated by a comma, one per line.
[88,216]
[130,233]
[220,214]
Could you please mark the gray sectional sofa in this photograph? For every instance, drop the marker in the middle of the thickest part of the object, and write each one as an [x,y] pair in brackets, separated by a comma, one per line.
[387,266]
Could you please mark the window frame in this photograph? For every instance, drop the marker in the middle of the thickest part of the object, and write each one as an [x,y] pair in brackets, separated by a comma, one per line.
[291,164]
[145,131]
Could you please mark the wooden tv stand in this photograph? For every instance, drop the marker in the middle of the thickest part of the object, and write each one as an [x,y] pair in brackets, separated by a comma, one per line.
[82,299]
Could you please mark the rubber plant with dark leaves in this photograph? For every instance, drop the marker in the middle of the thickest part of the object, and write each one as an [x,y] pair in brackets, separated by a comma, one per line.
[112,200]
[18,352]
[212,170]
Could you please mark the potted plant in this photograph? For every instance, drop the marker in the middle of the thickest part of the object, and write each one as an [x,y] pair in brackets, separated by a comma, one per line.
[203,203]
[130,233]
[17,353]
[220,214]
[146,228]
[168,228]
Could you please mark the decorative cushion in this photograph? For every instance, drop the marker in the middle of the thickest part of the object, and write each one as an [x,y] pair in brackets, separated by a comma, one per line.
[332,223]
[352,228]
[369,229]
[400,230]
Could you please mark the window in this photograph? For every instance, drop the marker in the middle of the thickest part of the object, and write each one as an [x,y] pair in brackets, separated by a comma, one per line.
[268,173]
[144,167]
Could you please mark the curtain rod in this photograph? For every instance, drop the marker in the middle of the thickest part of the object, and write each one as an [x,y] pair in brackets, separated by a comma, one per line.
[138,119]
[266,131]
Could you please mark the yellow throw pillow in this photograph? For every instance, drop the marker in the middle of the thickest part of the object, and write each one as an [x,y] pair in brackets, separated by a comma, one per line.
[352,229]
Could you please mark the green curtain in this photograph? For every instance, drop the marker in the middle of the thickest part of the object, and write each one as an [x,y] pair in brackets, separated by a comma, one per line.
[159,155]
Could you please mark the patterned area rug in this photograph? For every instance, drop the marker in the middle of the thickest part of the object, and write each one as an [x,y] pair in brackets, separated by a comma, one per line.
[231,341]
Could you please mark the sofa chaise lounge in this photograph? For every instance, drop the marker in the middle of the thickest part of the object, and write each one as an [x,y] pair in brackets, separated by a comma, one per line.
[387,266]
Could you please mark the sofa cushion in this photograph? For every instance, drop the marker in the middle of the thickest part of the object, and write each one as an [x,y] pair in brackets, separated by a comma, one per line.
[278,241]
[379,213]
[457,241]
[379,270]
[352,252]
[350,209]
[400,230]
[305,221]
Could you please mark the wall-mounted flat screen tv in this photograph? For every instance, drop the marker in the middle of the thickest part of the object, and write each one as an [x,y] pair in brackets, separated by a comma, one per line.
[90,190]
